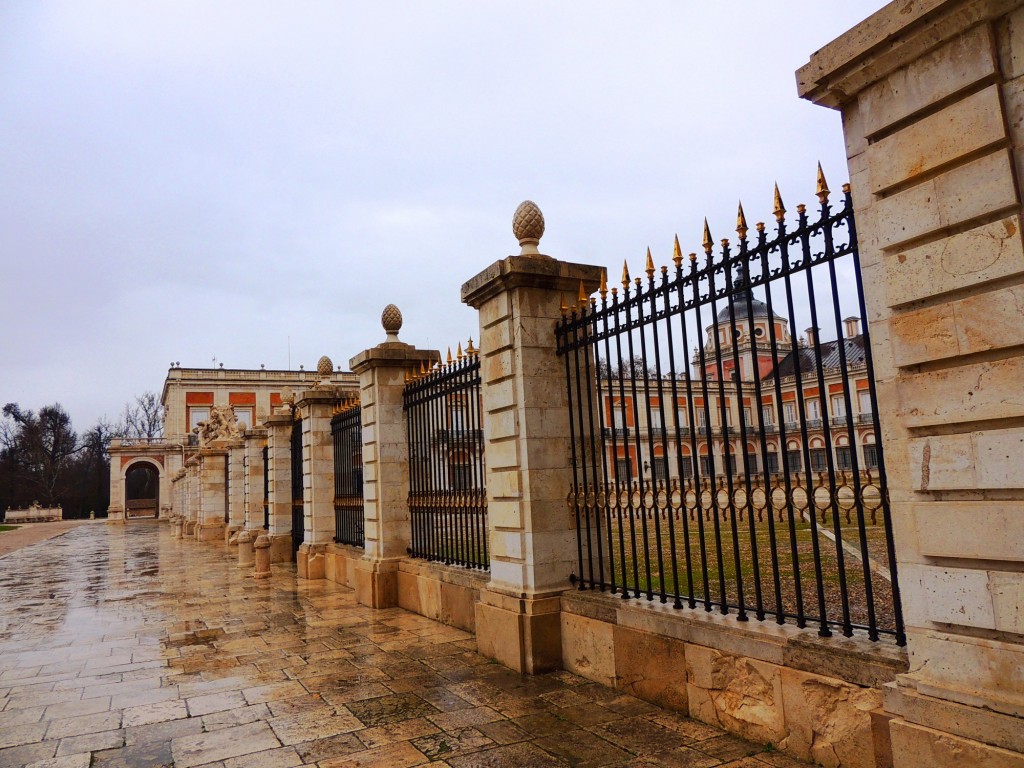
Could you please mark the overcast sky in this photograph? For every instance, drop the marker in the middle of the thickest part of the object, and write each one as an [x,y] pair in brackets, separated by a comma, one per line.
[185,181]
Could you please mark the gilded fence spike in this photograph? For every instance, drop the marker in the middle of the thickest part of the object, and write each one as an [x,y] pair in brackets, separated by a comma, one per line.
[470,350]
[407,377]
[423,367]
[603,290]
[741,223]
[693,257]
[625,275]
[677,253]
[846,188]
[780,209]
[563,307]
[449,355]
[582,298]
[707,242]
[822,191]
[649,267]
[759,226]
[458,352]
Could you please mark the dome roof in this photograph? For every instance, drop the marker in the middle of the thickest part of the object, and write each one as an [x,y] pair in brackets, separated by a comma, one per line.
[758,309]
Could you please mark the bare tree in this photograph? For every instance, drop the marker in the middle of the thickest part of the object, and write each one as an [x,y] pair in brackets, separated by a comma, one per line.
[143,418]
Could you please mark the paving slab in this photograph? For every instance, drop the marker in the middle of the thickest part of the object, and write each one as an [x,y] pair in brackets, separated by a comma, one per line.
[121,646]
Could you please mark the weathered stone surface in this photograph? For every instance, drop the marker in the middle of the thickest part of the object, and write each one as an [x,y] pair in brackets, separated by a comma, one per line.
[987,459]
[651,667]
[919,747]
[588,648]
[940,527]
[977,392]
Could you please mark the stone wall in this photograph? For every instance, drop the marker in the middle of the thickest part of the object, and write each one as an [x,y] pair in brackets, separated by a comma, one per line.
[932,100]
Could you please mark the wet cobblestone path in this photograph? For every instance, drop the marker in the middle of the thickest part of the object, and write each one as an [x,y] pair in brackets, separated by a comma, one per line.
[120,646]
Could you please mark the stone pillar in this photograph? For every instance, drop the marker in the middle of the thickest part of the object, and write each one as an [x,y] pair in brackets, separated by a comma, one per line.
[255,440]
[262,548]
[279,457]
[381,373]
[212,465]
[191,496]
[316,407]
[932,101]
[245,549]
[236,487]
[526,432]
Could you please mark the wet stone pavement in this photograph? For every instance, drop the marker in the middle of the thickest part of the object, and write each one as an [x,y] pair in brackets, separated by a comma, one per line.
[120,646]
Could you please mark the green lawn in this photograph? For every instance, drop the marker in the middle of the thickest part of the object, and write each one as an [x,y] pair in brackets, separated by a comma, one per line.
[7,528]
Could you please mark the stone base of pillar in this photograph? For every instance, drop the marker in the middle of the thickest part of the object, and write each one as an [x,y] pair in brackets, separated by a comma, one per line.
[523,634]
[930,731]
[245,549]
[377,583]
[262,546]
[280,548]
[310,561]
[209,531]
[176,526]
[115,515]
[230,531]
[189,528]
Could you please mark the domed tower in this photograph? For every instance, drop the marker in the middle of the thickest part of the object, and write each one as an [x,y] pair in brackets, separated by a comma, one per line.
[745,346]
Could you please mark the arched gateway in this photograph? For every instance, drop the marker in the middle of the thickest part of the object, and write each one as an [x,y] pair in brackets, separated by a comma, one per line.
[138,479]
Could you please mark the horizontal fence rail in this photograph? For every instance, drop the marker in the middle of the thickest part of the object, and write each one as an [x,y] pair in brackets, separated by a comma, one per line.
[347,432]
[447,498]
[719,460]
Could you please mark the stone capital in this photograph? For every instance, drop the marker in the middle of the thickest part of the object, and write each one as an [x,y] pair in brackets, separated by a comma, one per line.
[278,420]
[392,354]
[312,397]
[530,272]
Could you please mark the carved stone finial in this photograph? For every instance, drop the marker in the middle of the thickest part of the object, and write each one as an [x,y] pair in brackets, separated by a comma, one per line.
[528,227]
[391,319]
[325,367]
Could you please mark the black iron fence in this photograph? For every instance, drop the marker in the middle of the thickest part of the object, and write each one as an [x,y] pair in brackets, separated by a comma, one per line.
[347,431]
[447,499]
[745,476]
[298,521]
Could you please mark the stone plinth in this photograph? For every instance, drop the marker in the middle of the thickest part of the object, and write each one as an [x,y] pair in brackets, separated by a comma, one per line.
[932,95]
[528,472]
[236,487]
[263,549]
[255,440]
[212,493]
[245,550]
[381,372]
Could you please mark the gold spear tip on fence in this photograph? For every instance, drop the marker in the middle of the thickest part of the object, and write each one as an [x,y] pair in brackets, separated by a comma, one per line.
[583,299]
[741,222]
[707,242]
[407,376]
[822,191]
[649,267]
[563,306]
[780,209]
[603,290]
[449,355]
[469,347]
[625,275]
[423,367]
[458,352]
[677,252]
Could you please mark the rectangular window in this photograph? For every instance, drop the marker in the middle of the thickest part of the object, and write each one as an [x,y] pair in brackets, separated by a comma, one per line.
[838,406]
[705,466]
[622,467]
[701,418]
[818,460]
[746,416]
[864,401]
[243,416]
[789,409]
[196,415]
[655,418]
[687,467]
[681,418]
[460,477]
[618,418]
[794,459]
[771,462]
[871,456]
[751,462]
[767,415]
[843,459]
[813,409]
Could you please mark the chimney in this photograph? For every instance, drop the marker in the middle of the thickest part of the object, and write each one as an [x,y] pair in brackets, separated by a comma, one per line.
[852,327]
[812,336]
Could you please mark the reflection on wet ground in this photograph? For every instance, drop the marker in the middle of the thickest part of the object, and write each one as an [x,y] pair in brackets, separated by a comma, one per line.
[120,646]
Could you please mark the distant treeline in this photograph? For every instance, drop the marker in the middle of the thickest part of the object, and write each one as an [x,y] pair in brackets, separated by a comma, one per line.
[44,460]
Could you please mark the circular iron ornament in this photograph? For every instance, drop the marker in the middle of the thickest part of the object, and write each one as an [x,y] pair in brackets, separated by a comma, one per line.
[691,499]
[602,499]
[739,498]
[759,498]
[800,498]
[649,499]
[636,499]
[677,498]
[591,499]
[722,498]
[707,500]
[822,498]
[662,498]
[871,497]
[778,496]
[845,497]
[624,498]
[570,500]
